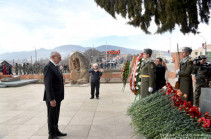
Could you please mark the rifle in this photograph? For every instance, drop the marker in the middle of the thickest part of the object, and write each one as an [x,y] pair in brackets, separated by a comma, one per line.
[177,82]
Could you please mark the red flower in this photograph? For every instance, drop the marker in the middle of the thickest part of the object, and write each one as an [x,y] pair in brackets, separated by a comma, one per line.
[179,93]
[167,93]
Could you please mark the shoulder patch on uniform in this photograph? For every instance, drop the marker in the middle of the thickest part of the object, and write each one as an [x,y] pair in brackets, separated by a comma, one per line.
[151,66]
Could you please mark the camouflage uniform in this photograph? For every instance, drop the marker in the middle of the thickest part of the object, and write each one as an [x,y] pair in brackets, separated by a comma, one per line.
[38,68]
[200,76]
[27,68]
[42,68]
[16,69]
[20,69]
[30,69]
[35,69]
[24,68]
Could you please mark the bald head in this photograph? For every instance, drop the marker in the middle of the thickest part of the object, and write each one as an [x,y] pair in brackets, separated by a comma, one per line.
[55,57]
[54,53]
[95,66]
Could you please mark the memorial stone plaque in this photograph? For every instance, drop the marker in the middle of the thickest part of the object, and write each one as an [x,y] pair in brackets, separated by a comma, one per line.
[205,100]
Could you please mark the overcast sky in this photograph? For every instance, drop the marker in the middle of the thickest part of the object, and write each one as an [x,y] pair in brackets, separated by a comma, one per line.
[25,24]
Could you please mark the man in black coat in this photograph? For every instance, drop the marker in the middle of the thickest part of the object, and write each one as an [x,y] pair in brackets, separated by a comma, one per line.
[160,74]
[95,80]
[53,94]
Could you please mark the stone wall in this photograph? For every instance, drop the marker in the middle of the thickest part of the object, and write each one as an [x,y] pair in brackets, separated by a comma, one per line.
[115,77]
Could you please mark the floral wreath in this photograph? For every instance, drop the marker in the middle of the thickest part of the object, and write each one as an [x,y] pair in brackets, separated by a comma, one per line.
[125,73]
[135,79]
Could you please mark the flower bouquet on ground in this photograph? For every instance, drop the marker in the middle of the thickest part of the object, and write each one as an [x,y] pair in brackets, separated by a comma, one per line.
[165,115]
[125,73]
[135,79]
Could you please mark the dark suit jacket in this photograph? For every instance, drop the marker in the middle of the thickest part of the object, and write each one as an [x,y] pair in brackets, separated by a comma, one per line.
[160,77]
[95,78]
[54,86]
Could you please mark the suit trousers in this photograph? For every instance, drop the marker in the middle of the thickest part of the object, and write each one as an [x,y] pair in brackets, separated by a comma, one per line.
[95,85]
[53,117]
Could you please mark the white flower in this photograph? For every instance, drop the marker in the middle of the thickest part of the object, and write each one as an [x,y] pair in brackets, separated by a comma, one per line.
[139,83]
[137,67]
[164,87]
[140,76]
[136,73]
[137,87]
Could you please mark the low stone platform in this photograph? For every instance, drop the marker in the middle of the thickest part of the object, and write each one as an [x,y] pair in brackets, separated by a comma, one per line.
[17,83]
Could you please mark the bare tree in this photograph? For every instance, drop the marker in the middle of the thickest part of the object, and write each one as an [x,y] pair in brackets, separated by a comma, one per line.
[93,55]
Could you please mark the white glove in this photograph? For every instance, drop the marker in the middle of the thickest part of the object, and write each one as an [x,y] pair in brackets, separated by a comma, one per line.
[176,79]
[150,89]
[177,71]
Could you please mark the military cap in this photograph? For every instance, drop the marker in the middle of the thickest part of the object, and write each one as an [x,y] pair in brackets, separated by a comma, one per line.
[187,49]
[148,51]
[203,57]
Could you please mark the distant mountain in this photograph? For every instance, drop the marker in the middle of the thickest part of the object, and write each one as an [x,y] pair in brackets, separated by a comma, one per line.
[41,53]
[65,50]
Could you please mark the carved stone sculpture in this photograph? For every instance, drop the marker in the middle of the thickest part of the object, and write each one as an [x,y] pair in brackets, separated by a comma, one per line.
[79,66]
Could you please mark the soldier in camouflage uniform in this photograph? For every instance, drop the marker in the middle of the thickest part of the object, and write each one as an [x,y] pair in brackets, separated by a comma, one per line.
[24,68]
[27,68]
[35,68]
[30,69]
[147,74]
[200,76]
[20,69]
[38,68]
[16,68]
[42,68]
[185,77]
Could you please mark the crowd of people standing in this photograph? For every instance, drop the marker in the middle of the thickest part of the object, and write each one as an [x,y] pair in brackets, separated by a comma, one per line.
[108,65]
[6,68]
[26,68]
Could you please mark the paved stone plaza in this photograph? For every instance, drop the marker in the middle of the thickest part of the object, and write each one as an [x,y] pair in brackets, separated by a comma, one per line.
[23,113]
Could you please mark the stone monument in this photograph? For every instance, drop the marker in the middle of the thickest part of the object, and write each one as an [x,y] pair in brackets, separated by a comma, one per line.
[79,66]
[205,100]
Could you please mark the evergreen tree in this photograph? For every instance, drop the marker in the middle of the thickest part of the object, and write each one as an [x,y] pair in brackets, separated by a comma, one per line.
[187,14]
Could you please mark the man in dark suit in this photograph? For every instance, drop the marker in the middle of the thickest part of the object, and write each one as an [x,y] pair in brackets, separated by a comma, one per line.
[160,74]
[54,94]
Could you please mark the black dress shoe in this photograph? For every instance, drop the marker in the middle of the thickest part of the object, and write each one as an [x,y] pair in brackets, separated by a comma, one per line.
[91,97]
[61,134]
[97,97]
[52,137]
